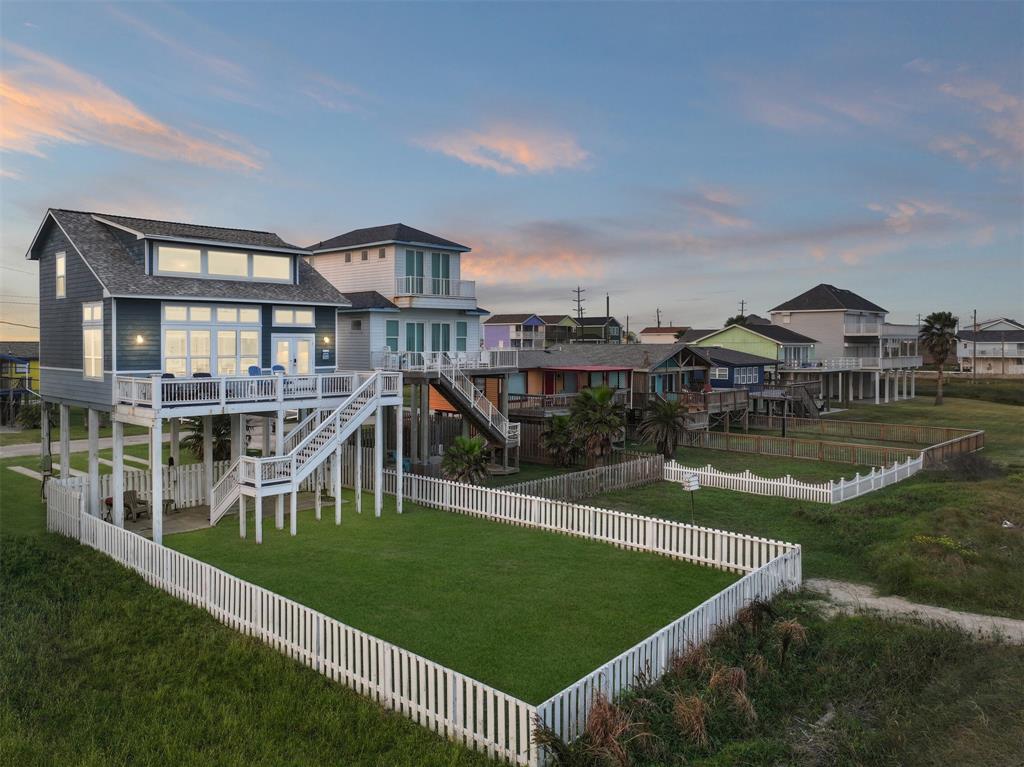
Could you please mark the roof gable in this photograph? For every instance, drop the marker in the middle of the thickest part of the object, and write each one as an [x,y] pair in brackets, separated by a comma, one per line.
[514,319]
[775,333]
[377,235]
[825,297]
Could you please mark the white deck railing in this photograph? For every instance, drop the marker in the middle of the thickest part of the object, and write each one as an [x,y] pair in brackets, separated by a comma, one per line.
[432,361]
[156,392]
[435,286]
[857,363]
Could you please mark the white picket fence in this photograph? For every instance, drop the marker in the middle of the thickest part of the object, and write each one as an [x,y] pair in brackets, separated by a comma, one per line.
[832,492]
[430,694]
[639,470]
[566,712]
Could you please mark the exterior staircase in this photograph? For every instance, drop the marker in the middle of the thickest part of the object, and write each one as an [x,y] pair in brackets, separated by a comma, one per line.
[307,446]
[803,401]
[459,389]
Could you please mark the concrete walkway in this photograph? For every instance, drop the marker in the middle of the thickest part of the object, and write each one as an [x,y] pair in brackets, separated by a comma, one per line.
[77,446]
[850,597]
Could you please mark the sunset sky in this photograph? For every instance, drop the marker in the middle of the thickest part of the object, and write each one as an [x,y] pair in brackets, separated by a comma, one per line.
[675,156]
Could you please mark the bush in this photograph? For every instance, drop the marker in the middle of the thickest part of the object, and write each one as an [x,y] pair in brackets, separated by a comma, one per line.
[30,415]
[971,467]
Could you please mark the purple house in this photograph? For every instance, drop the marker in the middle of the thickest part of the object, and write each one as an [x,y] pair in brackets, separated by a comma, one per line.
[514,331]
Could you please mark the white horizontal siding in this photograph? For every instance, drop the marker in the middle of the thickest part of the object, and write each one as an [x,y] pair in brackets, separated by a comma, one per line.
[373,274]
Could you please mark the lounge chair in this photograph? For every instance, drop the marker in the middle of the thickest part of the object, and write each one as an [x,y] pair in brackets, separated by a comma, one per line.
[134,506]
[277,369]
[255,370]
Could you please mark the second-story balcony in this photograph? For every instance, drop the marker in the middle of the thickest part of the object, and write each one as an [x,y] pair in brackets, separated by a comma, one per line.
[427,362]
[415,289]
[858,363]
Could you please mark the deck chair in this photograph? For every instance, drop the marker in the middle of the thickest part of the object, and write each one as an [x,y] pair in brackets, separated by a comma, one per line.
[255,370]
[134,506]
[167,375]
[277,369]
[202,375]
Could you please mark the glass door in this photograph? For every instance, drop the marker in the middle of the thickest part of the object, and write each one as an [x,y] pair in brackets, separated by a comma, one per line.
[440,272]
[440,337]
[414,272]
[294,354]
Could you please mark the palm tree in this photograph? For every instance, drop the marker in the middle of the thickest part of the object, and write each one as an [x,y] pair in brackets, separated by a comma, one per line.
[559,441]
[193,439]
[596,421]
[466,460]
[664,425]
[938,337]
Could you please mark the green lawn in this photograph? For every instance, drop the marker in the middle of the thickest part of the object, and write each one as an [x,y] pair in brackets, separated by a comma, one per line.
[78,429]
[525,611]
[528,472]
[767,465]
[967,559]
[1006,391]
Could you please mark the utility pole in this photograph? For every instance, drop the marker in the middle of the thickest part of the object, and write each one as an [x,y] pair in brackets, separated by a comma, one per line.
[743,307]
[579,300]
[974,350]
[657,314]
[607,314]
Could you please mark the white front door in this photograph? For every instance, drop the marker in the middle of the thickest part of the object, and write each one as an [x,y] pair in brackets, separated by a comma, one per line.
[294,353]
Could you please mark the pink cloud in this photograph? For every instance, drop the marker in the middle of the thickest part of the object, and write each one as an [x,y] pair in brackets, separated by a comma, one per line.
[508,149]
[46,102]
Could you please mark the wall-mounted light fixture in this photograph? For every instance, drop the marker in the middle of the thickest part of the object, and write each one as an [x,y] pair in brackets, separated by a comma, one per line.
[327,340]
[139,340]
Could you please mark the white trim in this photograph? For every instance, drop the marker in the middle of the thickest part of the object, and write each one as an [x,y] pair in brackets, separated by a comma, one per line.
[28,255]
[362,246]
[207,299]
[809,342]
[311,337]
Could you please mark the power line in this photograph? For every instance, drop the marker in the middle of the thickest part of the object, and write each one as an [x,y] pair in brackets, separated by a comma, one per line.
[579,301]
[23,271]
[18,324]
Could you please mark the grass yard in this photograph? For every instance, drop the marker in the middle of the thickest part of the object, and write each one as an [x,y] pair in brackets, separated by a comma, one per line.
[525,611]
[1006,391]
[767,465]
[933,538]
[528,472]
[78,430]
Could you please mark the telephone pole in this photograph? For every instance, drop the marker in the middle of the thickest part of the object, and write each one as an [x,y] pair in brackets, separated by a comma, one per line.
[657,314]
[743,307]
[974,350]
[579,300]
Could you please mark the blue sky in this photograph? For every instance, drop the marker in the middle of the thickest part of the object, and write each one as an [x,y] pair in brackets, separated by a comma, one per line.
[681,156]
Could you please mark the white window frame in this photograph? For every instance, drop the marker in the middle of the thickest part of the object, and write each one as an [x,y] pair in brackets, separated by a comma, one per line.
[92,327]
[720,374]
[389,337]
[61,275]
[213,326]
[287,317]
[204,264]
[461,339]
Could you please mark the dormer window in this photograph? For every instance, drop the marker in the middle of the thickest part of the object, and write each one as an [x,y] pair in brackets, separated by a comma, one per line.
[221,264]
[61,271]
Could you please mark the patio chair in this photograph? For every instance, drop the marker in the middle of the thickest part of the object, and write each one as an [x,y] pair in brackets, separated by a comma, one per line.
[202,375]
[255,370]
[134,506]
[277,369]
[167,375]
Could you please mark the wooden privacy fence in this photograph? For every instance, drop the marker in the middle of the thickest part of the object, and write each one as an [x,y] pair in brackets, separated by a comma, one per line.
[566,712]
[808,449]
[881,432]
[966,443]
[833,491]
[638,470]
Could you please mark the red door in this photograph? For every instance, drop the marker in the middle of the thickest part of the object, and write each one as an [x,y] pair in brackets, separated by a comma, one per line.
[549,383]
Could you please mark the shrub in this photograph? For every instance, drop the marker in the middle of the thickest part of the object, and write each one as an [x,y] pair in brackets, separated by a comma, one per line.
[971,467]
[30,415]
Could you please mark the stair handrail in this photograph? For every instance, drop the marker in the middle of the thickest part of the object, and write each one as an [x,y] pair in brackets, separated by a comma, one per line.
[462,382]
[295,436]
[216,500]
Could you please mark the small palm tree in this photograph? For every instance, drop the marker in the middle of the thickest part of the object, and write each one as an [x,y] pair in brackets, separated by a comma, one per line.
[560,442]
[596,421]
[938,337]
[664,425]
[193,439]
[466,460]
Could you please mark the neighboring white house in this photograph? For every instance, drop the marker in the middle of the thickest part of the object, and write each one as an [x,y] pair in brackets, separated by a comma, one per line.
[993,346]
[406,292]
[661,334]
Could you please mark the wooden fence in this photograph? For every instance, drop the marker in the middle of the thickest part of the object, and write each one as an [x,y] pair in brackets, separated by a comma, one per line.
[965,443]
[639,469]
[807,449]
[880,432]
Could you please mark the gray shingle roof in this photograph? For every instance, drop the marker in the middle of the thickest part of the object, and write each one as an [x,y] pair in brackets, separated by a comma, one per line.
[509,319]
[631,356]
[826,296]
[554,319]
[774,332]
[695,334]
[176,230]
[26,350]
[722,356]
[387,233]
[122,274]
[994,336]
[366,300]
[590,322]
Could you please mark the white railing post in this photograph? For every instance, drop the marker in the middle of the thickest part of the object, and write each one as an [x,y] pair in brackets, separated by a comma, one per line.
[156,392]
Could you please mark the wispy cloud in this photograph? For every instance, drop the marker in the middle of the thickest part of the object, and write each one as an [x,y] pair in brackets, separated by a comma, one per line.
[1000,134]
[719,207]
[46,102]
[905,216]
[333,94]
[509,149]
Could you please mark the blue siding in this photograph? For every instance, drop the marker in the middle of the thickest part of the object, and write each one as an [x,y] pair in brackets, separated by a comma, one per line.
[138,317]
[323,316]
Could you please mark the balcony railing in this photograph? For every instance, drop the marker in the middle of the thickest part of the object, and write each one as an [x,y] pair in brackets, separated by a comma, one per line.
[435,286]
[876,328]
[156,392]
[429,361]
[858,363]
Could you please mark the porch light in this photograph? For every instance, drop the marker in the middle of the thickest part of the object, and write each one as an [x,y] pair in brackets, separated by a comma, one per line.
[139,340]
[327,340]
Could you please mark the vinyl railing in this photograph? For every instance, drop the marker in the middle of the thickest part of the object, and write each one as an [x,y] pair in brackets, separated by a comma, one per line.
[434,286]
[431,361]
[156,392]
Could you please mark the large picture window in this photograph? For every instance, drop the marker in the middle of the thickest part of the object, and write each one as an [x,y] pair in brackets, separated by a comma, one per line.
[220,340]
[286,315]
[92,340]
[222,264]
